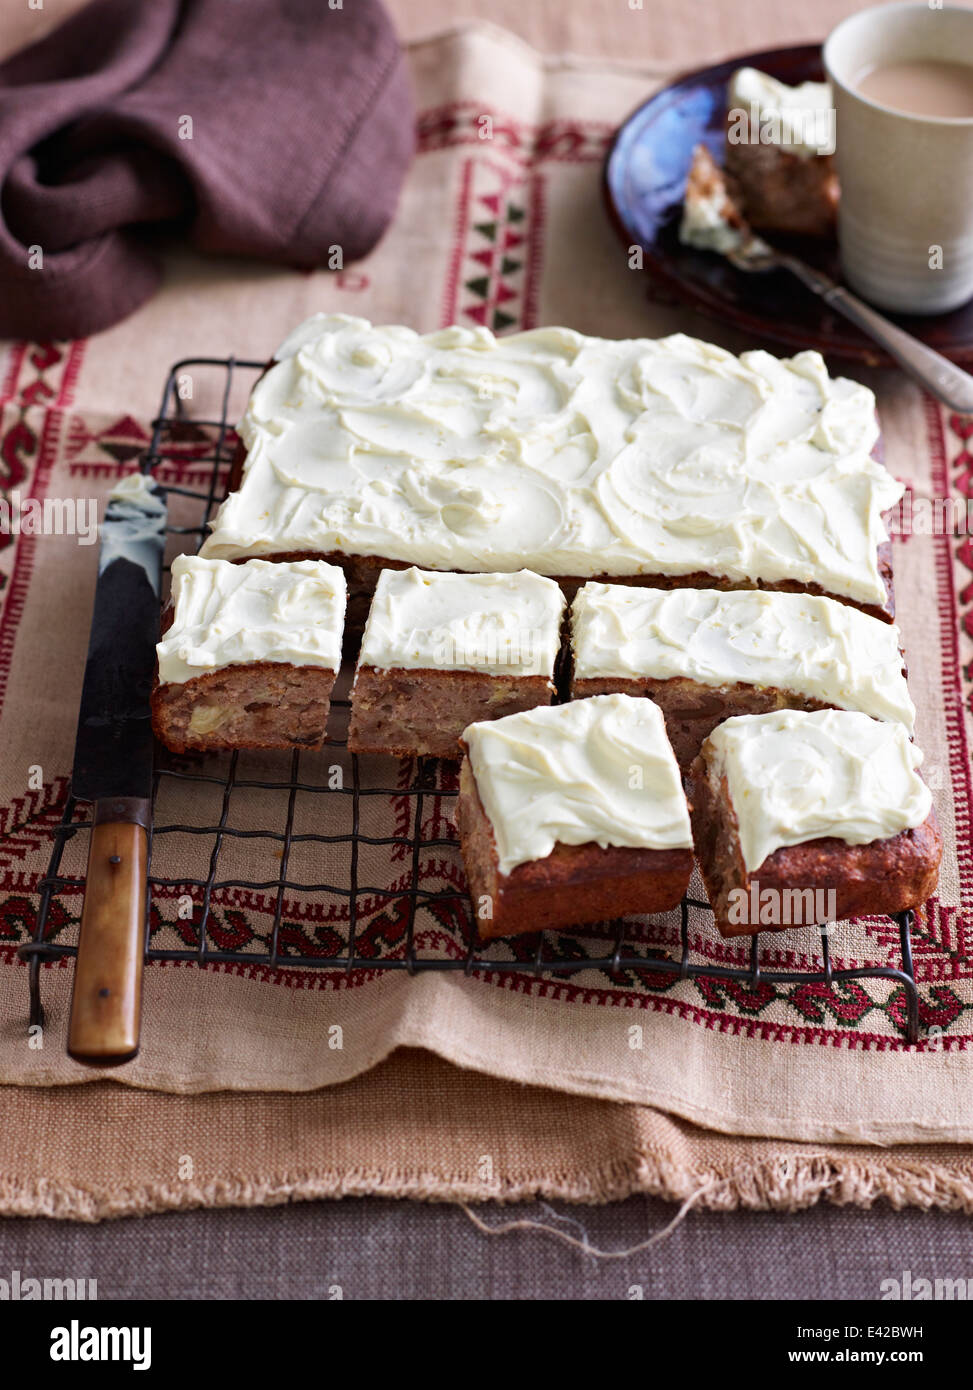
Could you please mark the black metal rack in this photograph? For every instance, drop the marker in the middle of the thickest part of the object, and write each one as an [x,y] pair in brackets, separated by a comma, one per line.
[424,790]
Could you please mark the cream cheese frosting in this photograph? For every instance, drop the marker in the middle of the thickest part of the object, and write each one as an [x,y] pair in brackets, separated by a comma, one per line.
[705,223]
[794,777]
[599,770]
[569,455]
[500,623]
[231,615]
[710,219]
[801,117]
[816,647]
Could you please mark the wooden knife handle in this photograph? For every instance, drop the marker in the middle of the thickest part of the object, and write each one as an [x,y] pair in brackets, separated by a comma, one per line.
[107,1000]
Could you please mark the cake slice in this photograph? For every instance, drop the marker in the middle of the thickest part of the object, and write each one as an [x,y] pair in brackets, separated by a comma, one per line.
[802,818]
[572,814]
[248,655]
[705,655]
[711,215]
[441,651]
[779,153]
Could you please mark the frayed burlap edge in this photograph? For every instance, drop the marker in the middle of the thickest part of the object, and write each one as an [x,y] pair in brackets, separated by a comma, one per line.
[786,1183]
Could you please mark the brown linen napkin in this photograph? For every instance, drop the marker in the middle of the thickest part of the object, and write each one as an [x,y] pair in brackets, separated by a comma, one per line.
[272,128]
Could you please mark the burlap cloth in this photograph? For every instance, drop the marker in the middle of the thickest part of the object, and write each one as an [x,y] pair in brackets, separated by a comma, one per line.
[509,231]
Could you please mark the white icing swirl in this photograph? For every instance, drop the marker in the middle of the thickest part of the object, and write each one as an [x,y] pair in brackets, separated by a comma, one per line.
[573,456]
[596,771]
[500,623]
[800,119]
[815,647]
[794,777]
[231,615]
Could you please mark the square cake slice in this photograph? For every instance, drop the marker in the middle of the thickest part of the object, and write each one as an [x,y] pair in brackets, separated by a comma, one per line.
[705,655]
[572,814]
[804,818]
[248,655]
[441,651]
[780,153]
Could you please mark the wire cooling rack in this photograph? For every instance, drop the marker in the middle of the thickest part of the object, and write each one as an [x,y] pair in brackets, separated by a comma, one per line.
[341,921]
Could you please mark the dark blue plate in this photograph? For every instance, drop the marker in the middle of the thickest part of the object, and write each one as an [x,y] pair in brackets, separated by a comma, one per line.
[645,179]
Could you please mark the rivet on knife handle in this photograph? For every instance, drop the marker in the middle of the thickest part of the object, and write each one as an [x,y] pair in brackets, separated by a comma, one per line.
[107,1001]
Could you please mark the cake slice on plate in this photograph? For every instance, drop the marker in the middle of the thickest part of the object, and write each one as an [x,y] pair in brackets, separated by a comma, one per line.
[794,810]
[248,655]
[780,153]
[712,219]
[572,814]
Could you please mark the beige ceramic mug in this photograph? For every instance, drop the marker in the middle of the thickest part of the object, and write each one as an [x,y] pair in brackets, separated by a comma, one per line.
[905,220]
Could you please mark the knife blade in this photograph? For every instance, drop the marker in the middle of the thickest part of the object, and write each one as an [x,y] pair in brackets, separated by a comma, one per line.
[113,770]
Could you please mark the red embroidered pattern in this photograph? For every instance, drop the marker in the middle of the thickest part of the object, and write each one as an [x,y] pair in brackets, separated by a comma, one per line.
[492,280]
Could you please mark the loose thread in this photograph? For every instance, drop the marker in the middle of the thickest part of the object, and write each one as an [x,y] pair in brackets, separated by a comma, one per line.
[585,1246]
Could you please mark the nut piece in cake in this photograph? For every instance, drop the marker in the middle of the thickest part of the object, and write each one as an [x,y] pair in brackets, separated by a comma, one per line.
[441,651]
[705,655]
[572,814]
[248,654]
[779,153]
[803,818]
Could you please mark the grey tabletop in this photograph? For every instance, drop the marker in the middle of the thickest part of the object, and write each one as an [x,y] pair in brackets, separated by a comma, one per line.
[380,1249]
